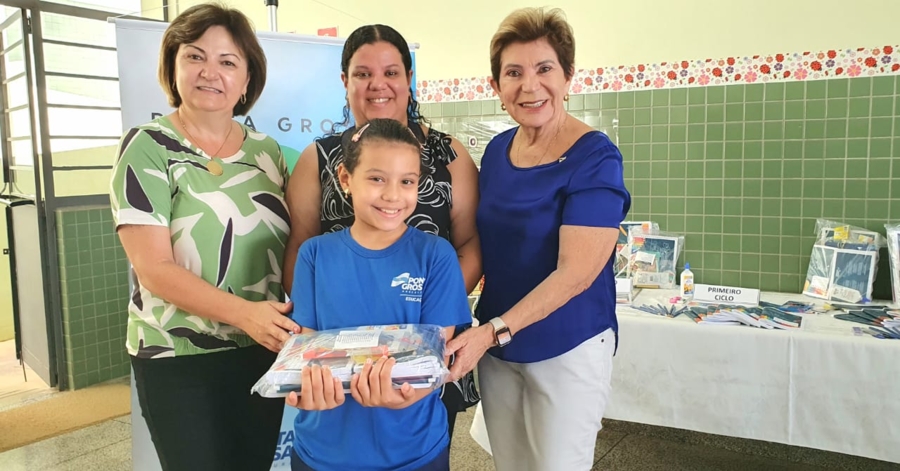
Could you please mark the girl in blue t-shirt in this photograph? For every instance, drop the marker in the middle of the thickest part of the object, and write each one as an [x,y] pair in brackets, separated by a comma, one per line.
[349,278]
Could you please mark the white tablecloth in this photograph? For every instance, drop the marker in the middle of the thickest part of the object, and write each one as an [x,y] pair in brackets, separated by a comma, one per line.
[819,386]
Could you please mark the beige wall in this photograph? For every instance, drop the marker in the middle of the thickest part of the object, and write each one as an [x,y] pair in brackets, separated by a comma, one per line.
[83,182]
[454,40]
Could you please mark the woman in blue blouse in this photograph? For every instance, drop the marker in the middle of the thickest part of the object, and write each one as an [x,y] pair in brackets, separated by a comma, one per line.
[552,198]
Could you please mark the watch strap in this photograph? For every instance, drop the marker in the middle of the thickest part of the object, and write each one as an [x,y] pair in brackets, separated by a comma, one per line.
[502,336]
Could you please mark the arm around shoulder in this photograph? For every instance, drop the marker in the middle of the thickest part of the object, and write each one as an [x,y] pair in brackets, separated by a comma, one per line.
[149,250]
[141,199]
[304,202]
[463,231]
[444,295]
[596,203]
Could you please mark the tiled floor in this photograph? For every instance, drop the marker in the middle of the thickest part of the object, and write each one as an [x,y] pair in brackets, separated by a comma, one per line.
[102,447]
[620,447]
[18,383]
[633,447]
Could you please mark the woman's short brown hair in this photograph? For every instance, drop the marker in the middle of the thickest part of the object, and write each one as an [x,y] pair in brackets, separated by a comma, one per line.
[530,24]
[193,23]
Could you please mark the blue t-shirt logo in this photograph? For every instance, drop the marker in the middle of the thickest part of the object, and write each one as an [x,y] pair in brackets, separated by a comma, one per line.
[402,279]
[376,438]
[410,286]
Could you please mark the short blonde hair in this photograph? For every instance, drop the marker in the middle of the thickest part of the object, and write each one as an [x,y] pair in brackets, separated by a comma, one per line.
[530,24]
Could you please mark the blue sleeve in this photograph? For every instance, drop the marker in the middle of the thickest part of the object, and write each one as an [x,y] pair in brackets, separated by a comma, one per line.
[596,194]
[444,298]
[303,292]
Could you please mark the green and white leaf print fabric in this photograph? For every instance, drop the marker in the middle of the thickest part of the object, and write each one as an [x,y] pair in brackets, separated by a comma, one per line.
[230,230]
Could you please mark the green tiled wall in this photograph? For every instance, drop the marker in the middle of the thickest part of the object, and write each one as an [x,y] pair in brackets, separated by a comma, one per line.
[743,171]
[94,284]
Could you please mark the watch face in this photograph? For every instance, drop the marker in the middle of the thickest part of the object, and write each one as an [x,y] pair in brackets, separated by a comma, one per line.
[501,332]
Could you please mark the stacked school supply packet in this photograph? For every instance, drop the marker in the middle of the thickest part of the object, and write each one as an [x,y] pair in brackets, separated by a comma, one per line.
[791,307]
[623,249]
[893,243]
[653,257]
[761,317]
[843,263]
[418,349]
[626,291]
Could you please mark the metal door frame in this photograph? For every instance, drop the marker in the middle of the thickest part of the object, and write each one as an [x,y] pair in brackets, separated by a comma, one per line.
[21,16]
[6,178]
[45,197]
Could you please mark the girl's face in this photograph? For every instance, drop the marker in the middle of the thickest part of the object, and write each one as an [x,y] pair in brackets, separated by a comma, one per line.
[384,188]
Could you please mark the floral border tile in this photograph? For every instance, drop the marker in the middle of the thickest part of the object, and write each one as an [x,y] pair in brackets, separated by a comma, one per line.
[867,62]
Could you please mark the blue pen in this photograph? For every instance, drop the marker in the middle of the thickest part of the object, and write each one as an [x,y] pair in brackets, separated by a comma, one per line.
[645,309]
[884,333]
[891,332]
[875,333]
[895,331]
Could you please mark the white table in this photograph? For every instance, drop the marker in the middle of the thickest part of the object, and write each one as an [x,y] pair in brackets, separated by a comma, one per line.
[819,386]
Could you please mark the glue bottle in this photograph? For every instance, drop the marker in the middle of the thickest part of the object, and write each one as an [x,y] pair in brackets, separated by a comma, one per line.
[687,283]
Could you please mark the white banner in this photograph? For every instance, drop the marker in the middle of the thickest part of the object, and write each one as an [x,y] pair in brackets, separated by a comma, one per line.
[302,98]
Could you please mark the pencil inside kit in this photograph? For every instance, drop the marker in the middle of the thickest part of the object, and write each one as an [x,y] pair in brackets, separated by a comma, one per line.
[843,262]
[653,258]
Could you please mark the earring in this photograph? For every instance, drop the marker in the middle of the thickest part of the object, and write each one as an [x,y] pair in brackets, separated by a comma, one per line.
[244,99]
[566,98]
[346,192]
[502,107]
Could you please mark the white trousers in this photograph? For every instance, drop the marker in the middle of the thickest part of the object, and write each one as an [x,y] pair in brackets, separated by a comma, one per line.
[545,416]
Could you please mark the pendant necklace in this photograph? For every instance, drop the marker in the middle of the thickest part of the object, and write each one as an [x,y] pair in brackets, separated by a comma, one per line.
[546,151]
[213,165]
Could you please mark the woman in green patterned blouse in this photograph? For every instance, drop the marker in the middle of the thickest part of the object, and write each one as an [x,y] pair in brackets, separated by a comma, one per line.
[198,203]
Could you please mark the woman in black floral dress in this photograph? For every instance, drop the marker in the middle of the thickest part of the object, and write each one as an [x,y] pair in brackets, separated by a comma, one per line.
[376,68]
